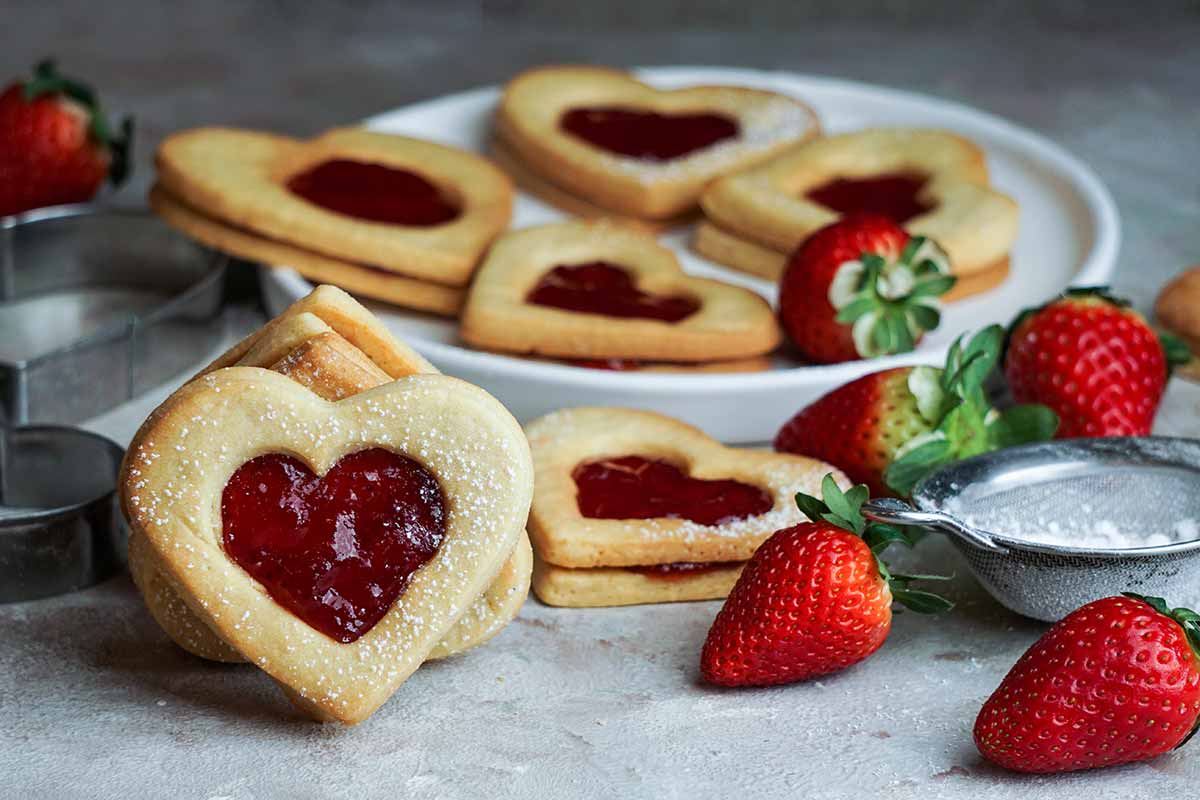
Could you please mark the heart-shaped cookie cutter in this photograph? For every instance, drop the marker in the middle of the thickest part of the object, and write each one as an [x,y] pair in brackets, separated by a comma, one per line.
[98,305]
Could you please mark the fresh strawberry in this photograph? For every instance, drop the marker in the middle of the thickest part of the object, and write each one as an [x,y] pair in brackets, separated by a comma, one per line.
[814,599]
[889,429]
[1115,681]
[56,145]
[861,288]
[1091,358]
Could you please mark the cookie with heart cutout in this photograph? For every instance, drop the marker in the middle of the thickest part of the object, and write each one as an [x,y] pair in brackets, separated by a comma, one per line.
[719,245]
[636,507]
[934,183]
[551,194]
[320,591]
[329,365]
[376,284]
[597,290]
[756,364]
[402,205]
[605,136]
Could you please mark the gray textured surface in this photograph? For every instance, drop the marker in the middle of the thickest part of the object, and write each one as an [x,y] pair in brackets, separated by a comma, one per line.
[95,701]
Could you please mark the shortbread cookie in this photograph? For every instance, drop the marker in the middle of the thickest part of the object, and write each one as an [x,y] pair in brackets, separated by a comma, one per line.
[200,480]
[402,205]
[642,152]
[595,290]
[331,367]
[628,586]
[574,205]
[932,182]
[363,281]
[744,255]
[1178,310]
[601,473]
[757,364]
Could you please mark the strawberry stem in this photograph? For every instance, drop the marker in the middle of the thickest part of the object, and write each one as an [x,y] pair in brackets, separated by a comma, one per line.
[843,510]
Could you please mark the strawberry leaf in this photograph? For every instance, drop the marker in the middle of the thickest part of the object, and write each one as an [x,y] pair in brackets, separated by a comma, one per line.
[880,536]
[921,602]
[906,471]
[1021,425]
[811,507]
[1175,350]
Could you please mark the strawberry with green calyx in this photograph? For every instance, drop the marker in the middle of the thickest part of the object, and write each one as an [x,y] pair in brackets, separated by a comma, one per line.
[889,429]
[1094,360]
[814,599]
[1113,682]
[56,143]
[862,287]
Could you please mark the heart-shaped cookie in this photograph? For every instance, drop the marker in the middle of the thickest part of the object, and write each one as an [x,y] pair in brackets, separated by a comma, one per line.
[635,507]
[933,182]
[397,204]
[600,290]
[186,470]
[322,342]
[640,151]
[364,281]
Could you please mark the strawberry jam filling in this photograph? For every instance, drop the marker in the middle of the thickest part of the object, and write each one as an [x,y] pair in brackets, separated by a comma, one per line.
[335,551]
[598,287]
[374,193]
[647,135]
[678,570]
[894,196]
[633,487]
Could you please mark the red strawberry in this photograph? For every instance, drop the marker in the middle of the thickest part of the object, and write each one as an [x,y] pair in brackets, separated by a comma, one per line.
[1113,682]
[1092,359]
[860,288]
[55,143]
[813,599]
[889,429]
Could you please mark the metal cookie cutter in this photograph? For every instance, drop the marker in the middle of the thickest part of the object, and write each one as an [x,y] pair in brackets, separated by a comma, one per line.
[60,527]
[97,306]
[996,506]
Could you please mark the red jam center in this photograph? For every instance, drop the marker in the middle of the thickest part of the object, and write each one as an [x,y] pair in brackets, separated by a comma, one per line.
[632,487]
[374,193]
[335,551]
[612,364]
[678,570]
[647,135]
[894,196]
[599,287]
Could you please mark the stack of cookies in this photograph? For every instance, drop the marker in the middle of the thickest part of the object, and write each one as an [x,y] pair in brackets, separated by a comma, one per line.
[386,217]
[337,610]
[933,183]
[634,507]
[604,294]
[597,142]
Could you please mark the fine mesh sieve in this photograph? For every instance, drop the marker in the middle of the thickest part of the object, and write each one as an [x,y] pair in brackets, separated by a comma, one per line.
[991,505]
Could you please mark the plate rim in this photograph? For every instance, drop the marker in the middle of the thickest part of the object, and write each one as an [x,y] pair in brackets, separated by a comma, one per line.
[1097,267]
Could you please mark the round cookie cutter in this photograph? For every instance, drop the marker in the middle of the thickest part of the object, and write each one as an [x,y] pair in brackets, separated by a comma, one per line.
[60,524]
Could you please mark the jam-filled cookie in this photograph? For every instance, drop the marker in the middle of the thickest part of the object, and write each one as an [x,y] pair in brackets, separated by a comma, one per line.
[635,507]
[318,343]
[934,183]
[596,290]
[402,205]
[364,281]
[334,544]
[756,364]
[631,149]
[1178,310]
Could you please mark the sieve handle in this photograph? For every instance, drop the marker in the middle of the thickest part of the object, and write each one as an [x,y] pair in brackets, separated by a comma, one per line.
[897,512]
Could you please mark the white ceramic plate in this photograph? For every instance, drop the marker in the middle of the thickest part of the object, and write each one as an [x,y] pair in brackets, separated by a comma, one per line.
[1070,234]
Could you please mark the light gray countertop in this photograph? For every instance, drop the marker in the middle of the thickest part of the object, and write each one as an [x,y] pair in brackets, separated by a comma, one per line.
[96,702]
